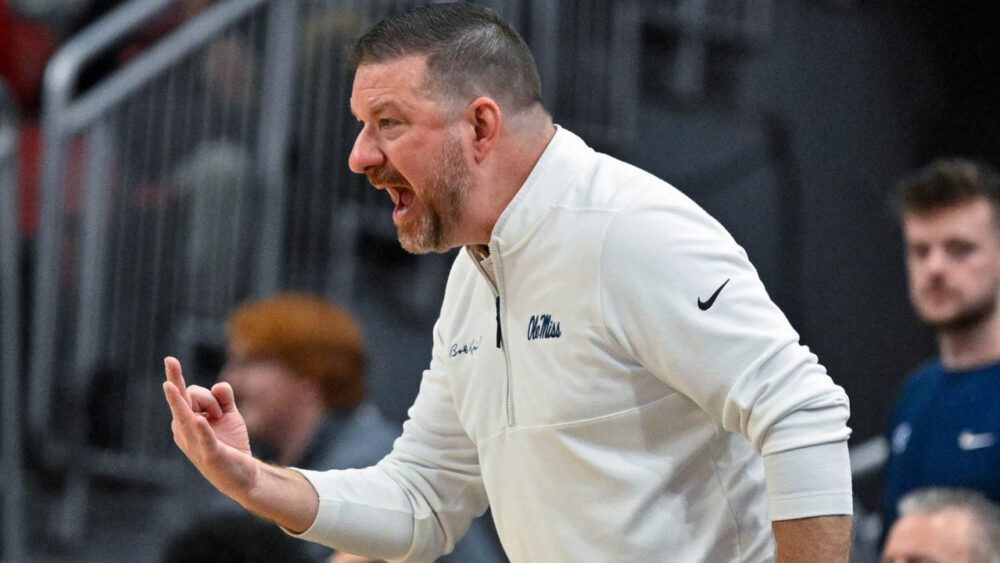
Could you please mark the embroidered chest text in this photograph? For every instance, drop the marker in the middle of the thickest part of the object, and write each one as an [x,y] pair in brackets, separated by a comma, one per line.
[469,347]
[542,326]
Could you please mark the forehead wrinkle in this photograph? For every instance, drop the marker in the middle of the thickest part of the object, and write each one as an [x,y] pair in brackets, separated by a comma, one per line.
[372,102]
[404,80]
[381,100]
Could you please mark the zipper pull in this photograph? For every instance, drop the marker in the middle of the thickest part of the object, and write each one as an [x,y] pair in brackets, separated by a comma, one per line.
[499,333]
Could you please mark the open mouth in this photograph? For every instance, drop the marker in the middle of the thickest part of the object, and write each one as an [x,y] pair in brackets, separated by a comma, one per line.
[403,198]
[398,188]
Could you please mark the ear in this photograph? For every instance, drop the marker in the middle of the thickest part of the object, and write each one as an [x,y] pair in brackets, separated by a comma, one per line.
[486,119]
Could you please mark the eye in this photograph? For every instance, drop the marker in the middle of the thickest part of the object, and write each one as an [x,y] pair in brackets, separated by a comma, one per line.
[959,248]
[918,250]
[387,123]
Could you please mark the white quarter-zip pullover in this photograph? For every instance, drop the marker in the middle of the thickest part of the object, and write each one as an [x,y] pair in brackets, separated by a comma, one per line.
[620,387]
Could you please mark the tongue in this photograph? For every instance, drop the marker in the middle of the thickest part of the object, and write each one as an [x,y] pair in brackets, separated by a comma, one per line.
[405,199]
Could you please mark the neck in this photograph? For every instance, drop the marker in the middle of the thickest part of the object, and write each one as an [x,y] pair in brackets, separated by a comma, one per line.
[297,433]
[509,168]
[971,346]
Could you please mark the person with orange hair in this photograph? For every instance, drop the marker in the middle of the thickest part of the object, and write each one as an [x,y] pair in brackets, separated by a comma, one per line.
[296,363]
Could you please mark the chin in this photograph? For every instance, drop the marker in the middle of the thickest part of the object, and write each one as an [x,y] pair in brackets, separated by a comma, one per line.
[956,322]
[935,313]
[253,426]
[413,248]
[419,244]
[937,319]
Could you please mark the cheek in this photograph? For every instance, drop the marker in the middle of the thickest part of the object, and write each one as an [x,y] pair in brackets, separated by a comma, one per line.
[416,174]
[985,270]
[250,384]
[234,379]
[914,273]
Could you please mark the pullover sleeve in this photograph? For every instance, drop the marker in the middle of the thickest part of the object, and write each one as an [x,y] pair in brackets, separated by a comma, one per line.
[681,297]
[420,499]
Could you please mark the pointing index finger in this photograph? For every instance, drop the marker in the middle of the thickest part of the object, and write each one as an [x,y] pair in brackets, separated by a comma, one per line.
[174,377]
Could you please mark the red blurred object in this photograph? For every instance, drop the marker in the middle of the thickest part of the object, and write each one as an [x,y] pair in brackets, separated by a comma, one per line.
[25,48]
[29,151]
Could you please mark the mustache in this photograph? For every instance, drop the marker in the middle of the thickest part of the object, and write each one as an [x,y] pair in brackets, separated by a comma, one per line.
[935,283]
[386,176]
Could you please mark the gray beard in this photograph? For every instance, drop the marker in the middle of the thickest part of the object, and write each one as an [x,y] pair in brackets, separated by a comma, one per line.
[449,187]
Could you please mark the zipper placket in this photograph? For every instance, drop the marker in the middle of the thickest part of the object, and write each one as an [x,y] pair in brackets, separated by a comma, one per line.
[500,302]
[499,332]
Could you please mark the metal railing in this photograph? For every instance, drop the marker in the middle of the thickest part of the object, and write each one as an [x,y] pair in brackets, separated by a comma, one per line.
[589,58]
[11,462]
[699,24]
[209,168]
[147,185]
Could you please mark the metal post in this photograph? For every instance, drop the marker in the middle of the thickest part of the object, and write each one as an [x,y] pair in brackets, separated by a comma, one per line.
[626,45]
[11,462]
[545,44]
[277,87]
[89,331]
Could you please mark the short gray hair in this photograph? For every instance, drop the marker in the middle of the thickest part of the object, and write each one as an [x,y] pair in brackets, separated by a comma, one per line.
[985,515]
[470,52]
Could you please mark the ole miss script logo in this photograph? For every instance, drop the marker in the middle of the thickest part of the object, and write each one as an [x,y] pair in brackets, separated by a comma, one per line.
[541,326]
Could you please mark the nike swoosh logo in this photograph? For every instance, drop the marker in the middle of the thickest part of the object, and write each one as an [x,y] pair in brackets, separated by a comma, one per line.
[706,305]
[969,441]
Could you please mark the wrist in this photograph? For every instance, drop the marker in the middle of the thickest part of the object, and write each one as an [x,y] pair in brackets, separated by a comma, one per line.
[283,496]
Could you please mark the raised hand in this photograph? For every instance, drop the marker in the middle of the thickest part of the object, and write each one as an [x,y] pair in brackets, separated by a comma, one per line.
[210,431]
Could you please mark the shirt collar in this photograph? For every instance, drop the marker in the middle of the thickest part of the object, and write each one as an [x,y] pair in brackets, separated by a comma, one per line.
[555,170]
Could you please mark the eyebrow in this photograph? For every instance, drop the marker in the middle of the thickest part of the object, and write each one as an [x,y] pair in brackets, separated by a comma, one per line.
[380,107]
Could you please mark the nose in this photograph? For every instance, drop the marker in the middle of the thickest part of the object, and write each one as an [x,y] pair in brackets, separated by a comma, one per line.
[365,154]
[937,261]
